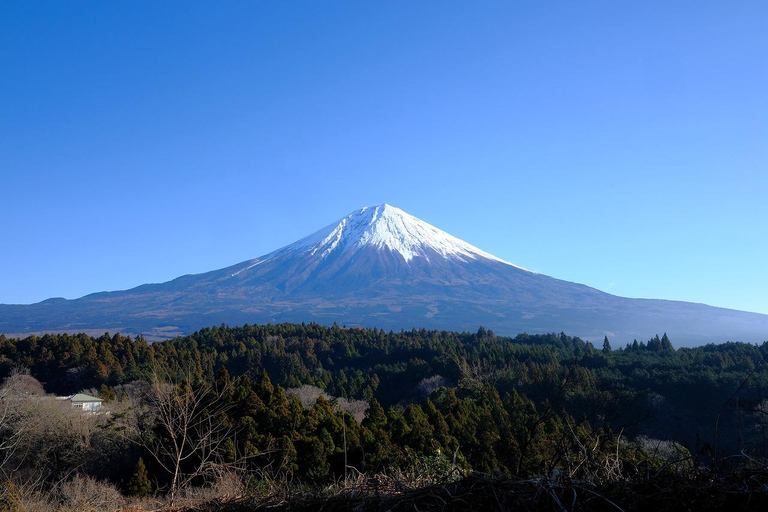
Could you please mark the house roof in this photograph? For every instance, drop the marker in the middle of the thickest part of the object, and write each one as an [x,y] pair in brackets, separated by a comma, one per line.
[81,397]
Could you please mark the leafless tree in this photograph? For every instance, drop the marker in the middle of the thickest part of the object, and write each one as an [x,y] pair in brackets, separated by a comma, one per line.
[21,383]
[309,394]
[429,385]
[87,493]
[184,429]
[10,433]
[43,440]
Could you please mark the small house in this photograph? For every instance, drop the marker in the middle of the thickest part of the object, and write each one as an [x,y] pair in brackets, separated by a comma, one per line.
[85,402]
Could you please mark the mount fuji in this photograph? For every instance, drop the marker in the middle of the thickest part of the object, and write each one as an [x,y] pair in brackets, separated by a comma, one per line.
[380,266]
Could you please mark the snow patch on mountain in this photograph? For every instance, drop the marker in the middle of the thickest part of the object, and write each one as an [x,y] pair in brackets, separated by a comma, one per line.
[384,227]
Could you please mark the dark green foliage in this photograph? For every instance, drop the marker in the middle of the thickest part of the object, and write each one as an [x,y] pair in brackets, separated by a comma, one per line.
[139,484]
[666,345]
[522,405]
[107,393]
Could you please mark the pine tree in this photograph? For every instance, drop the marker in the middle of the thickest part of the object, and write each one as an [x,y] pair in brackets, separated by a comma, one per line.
[606,346]
[223,380]
[139,484]
[375,417]
[666,345]
[107,393]
[264,387]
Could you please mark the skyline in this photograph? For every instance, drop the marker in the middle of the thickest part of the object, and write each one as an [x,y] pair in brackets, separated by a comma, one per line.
[621,147]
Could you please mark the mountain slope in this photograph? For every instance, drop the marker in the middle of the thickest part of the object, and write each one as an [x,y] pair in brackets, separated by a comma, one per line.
[381,267]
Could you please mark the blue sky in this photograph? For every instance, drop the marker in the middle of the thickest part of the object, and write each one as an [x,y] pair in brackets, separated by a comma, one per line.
[620,145]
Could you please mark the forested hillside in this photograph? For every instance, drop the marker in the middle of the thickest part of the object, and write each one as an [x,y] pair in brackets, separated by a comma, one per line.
[258,402]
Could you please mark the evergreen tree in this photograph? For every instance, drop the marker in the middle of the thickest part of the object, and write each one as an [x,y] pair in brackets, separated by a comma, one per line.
[606,346]
[107,393]
[223,380]
[139,484]
[264,387]
[666,345]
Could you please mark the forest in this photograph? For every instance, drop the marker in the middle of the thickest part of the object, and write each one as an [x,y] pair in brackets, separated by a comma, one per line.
[260,412]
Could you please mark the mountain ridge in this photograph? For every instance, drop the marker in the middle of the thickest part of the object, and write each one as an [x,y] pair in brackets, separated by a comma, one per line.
[381,267]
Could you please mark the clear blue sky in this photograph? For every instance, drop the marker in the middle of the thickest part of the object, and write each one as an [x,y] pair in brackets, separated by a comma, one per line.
[623,145]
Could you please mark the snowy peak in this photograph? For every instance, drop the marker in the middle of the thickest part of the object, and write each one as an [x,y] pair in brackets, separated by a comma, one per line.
[388,227]
[384,227]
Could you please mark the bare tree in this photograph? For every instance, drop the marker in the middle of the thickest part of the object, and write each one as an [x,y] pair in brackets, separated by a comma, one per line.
[309,394]
[87,493]
[42,439]
[185,429]
[10,432]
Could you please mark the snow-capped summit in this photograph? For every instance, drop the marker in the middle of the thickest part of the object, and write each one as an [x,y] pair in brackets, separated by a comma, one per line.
[384,227]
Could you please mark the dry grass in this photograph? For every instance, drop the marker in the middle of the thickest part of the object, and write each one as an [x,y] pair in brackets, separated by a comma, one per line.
[705,491]
[746,489]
